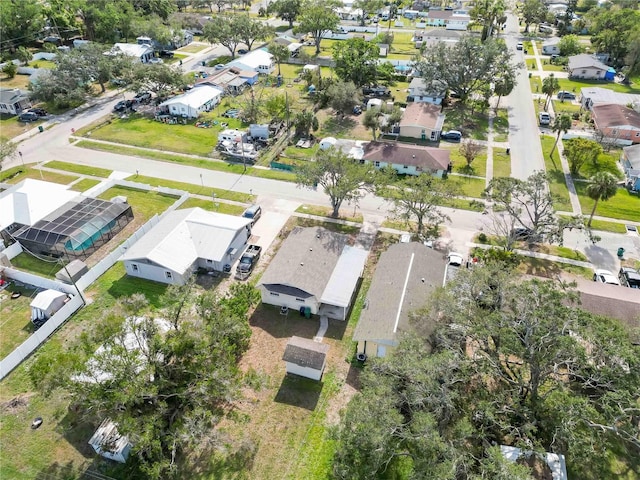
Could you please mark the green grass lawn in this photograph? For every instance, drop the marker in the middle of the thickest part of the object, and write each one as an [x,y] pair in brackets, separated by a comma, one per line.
[470,187]
[605,226]
[501,126]
[345,213]
[10,127]
[29,263]
[80,169]
[15,318]
[622,206]
[501,163]
[607,162]
[84,184]
[478,166]
[557,184]
[552,67]
[565,107]
[144,204]
[460,118]
[303,153]
[195,189]
[576,85]
[46,64]
[192,48]
[536,84]
[38,174]
[193,162]
[549,269]
[210,205]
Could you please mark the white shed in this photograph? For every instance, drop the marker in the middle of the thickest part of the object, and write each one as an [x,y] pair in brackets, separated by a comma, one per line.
[374,103]
[305,357]
[108,442]
[327,142]
[46,303]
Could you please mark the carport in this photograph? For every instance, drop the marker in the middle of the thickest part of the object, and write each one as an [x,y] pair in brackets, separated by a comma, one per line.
[343,283]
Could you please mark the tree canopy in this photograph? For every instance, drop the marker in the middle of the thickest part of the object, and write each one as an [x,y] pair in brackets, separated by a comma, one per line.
[318,18]
[356,61]
[493,360]
[287,10]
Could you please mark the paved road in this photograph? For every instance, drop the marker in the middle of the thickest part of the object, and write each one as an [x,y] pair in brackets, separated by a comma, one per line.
[524,136]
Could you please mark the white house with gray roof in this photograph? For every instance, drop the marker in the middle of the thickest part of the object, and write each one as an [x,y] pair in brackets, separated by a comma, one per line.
[405,276]
[315,268]
[184,241]
[13,101]
[586,66]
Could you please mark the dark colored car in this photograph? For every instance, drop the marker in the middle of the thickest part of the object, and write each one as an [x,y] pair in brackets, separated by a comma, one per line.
[451,135]
[28,117]
[376,91]
[166,53]
[629,277]
[123,105]
[242,51]
[41,112]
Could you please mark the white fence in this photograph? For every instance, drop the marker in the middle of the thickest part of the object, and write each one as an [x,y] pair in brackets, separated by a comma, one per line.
[37,281]
[13,250]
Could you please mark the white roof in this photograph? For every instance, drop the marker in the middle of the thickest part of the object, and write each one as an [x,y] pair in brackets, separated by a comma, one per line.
[32,200]
[44,299]
[331,140]
[196,97]
[183,236]
[132,49]
[556,462]
[599,95]
[254,59]
[344,277]
[107,435]
[292,47]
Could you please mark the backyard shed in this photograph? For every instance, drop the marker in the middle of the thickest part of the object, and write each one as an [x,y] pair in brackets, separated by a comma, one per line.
[374,103]
[46,304]
[107,442]
[305,357]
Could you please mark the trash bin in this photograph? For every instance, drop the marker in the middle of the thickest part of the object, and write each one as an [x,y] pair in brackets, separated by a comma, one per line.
[620,252]
[40,128]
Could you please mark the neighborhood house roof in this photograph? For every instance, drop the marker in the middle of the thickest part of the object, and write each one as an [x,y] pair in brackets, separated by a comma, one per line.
[598,95]
[551,43]
[435,89]
[423,115]
[402,154]
[440,14]
[344,278]
[305,353]
[31,200]
[10,96]
[107,438]
[615,116]
[305,262]
[632,154]
[131,49]
[253,60]
[183,236]
[585,61]
[196,97]
[405,276]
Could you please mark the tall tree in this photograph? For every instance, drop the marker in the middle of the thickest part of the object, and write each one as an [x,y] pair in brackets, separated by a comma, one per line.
[570,45]
[373,120]
[529,202]
[579,151]
[611,30]
[305,122]
[561,124]
[221,29]
[550,85]
[503,84]
[287,10]
[20,22]
[368,7]
[318,18]
[251,30]
[602,186]
[532,12]
[343,96]
[276,107]
[356,61]
[160,79]
[490,14]
[340,177]
[280,54]
[108,21]
[7,150]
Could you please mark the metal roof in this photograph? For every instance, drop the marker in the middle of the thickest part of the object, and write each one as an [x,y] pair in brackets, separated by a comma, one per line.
[196,97]
[345,276]
[107,437]
[406,274]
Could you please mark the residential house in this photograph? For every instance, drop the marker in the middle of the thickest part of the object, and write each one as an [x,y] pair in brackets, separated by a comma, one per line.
[315,272]
[435,35]
[259,61]
[407,159]
[420,91]
[423,121]
[230,82]
[13,101]
[450,19]
[630,160]
[291,43]
[137,51]
[551,47]
[305,357]
[107,442]
[590,96]
[617,122]
[349,13]
[184,241]
[405,276]
[587,67]
[201,98]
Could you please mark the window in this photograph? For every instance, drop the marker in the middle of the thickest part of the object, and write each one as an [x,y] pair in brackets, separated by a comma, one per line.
[209,261]
[168,274]
[300,300]
[376,164]
[274,294]
[405,166]
[637,134]
[134,267]
[583,72]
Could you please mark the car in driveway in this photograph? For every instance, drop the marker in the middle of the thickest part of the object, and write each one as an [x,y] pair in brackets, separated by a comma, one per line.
[605,276]
[166,53]
[41,112]
[519,46]
[254,212]
[27,117]
[544,118]
[155,60]
[455,259]
[142,97]
[564,95]
[629,277]
[451,135]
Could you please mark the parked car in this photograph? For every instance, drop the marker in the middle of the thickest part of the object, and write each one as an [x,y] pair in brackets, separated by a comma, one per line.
[41,112]
[455,259]
[357,110]
[220,66]
[28,117]
[142,97]
[243,51]
[155,60]
[522,233]
[629,277]
[254,212]
[376,91]
[544,118]
[166,53]
[451,135]
[564,95]
[519,46]
[605,276]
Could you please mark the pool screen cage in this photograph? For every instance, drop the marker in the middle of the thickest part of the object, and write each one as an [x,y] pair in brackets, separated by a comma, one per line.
[77,229]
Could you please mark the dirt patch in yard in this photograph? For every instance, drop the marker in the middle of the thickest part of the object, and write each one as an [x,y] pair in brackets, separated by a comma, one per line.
[16,404]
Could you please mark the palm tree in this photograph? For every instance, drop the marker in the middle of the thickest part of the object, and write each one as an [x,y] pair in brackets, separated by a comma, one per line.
[561,124]
[550,85]
[603,186]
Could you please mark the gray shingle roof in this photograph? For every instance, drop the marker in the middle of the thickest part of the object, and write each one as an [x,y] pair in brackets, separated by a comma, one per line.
[585,61]
[305,261]
[397,289]
[305,353]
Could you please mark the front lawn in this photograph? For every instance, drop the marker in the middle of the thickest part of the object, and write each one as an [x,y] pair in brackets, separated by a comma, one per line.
[576,85]
[460,118]
[43,175]
[607,162]
[557,184]
[210,205]
[345,213]
[195,189]
[192,48]
[144,204]
[478,167]
[302,153]
[80,169]
[10,127]
[469,187]
[84,184]
[501,126]
[501,163]
[622,206]
[604,226]
[540,267]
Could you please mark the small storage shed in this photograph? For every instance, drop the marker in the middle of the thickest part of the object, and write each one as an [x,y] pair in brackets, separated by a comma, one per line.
[108,442]
[374,103]
[46,304]
[73,271]
[327,142]
[305,357]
